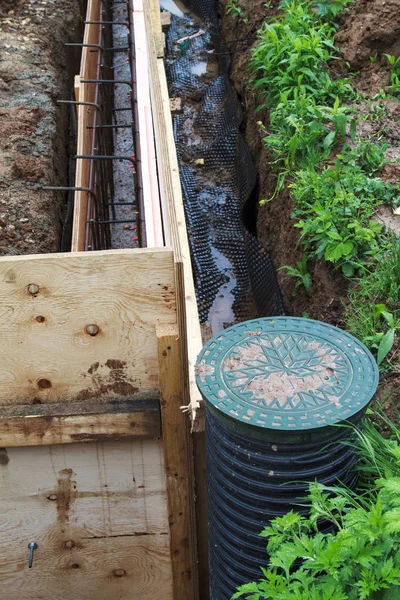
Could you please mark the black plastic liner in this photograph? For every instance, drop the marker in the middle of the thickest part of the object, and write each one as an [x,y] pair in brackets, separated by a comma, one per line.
[216,193]
[252,481]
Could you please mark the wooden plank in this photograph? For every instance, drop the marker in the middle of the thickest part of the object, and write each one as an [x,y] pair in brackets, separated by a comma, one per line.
[132,568]
[178,456]
[175,224]
[165,19]
[156,26]
[98,514]
[46,352]
[90,65]
[49,424]
[148,165]
[112,489]
[191,316]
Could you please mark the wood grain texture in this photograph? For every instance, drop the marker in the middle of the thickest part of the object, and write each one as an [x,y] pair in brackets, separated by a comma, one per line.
[174,217]
[178,456]
[48,424]
[89,69]
[46,354]
[148,164]
[98,515]
[156,26]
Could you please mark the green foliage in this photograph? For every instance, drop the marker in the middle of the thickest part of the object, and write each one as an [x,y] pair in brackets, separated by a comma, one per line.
[335,202]
[394,67]
[301,274]
[236,11]
[335,178]
[334,207]
[373,313]
[360,558]
[330,8]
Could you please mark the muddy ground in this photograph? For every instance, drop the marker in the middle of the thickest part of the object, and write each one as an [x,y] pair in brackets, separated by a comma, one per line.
[36,70]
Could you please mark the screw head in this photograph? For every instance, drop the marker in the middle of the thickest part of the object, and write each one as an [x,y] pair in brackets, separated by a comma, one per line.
[119,572]
[92,329]
[32,545]
[33,289]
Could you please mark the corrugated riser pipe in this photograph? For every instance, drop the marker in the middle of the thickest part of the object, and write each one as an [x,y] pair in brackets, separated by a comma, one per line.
[274,390]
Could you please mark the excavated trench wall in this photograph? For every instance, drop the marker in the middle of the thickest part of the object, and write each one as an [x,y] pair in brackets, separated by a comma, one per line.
[36,70]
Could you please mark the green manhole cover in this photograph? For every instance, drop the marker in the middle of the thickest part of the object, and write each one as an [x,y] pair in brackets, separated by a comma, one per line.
[286,373]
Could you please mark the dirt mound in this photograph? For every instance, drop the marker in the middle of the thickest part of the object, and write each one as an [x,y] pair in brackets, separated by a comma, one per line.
[370,27]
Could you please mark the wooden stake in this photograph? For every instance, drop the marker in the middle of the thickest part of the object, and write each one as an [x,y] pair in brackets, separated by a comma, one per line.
[178,456]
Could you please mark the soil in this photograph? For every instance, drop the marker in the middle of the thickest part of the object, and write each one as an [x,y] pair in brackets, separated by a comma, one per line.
[368,29]
[36,70]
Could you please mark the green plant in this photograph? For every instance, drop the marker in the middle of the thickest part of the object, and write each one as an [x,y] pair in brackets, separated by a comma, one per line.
[383,341]
[334,207]
[360,558]
[373,311]
[301,274]
[394,66]
[330,8]
[236,11]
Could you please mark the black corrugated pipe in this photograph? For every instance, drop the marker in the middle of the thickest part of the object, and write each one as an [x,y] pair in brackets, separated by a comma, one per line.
[274,389]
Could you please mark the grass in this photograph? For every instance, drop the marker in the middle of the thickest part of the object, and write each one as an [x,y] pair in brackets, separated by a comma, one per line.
[334,175]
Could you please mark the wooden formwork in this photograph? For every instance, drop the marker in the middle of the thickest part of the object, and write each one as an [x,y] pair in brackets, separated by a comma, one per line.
[90,353]
[97,359]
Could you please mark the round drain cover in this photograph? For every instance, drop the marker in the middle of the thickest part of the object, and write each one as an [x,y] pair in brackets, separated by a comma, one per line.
[286,373]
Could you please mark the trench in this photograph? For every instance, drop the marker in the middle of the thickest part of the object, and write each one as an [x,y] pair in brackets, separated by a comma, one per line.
[234,277]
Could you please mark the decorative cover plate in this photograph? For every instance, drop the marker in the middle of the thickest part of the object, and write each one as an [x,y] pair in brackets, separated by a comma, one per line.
[286,373]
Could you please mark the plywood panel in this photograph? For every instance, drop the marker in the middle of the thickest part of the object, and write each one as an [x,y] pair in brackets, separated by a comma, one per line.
[82,490]
[98,515]
[46,353]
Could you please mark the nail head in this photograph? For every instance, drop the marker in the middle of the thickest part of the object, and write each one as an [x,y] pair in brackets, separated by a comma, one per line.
[92,329]
[33,288]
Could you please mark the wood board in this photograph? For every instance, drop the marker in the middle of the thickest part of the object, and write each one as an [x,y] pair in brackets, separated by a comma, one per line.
[148,165]
[85,92]
[91,421]
[178,457]
[98,514]
[46,353]
[173,213]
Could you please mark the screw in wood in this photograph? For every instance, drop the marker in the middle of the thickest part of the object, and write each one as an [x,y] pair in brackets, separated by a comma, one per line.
[119,572]
[32,547]
[33,288]
[92,329]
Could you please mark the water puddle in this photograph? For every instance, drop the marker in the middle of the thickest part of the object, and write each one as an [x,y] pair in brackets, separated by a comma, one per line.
[200,68]
[221,312]
[175,7]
